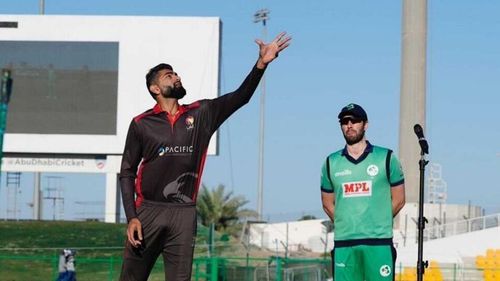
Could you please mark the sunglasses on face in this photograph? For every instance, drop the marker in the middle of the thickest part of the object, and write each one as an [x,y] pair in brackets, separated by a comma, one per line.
[345,121]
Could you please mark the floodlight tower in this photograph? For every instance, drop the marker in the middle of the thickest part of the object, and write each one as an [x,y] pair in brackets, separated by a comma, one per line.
[42,7]
[412,109]
[261,16]
[413,86]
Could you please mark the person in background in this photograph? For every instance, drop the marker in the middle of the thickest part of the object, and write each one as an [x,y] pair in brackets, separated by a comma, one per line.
[362,189]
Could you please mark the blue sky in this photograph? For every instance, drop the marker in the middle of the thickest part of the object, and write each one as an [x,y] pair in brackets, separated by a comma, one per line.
[342,52]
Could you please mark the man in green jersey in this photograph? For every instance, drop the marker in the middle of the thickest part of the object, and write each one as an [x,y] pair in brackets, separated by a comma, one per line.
[362,189]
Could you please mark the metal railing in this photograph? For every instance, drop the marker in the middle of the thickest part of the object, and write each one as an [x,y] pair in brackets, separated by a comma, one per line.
[37,267]
[461,227]
[455,228]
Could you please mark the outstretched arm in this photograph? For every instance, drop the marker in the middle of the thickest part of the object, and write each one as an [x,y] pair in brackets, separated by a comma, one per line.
[227,104]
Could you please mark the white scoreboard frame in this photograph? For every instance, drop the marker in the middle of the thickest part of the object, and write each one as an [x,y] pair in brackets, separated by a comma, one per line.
[190,44]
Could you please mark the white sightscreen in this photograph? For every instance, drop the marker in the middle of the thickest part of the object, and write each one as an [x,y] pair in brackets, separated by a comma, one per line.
[79,80]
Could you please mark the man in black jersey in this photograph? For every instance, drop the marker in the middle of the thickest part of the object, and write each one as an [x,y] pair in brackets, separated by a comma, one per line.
[162,166]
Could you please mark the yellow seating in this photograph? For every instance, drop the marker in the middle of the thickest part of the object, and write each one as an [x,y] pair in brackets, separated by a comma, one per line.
[481,262]
[490,264]
[409,274]
[490,275]
[432,273]
[490,253]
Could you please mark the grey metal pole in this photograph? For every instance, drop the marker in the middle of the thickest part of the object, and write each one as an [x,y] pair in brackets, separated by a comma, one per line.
[261,16]
[37,198]
[413,85]
[42,7]
[412,109]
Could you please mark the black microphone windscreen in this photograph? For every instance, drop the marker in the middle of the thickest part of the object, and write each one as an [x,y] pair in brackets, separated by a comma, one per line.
[419,131]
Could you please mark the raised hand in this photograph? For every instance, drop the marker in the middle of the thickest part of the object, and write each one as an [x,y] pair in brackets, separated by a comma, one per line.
[268,52]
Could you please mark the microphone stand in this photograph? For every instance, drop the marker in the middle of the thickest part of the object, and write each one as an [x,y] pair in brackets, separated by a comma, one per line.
[421,265]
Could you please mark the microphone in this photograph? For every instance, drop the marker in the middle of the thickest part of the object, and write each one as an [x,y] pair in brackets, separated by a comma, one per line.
[421,139]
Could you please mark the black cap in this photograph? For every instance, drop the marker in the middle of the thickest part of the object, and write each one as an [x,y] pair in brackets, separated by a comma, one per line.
[353,110]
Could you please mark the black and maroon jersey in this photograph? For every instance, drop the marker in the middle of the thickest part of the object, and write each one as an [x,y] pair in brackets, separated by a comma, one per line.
[171,149]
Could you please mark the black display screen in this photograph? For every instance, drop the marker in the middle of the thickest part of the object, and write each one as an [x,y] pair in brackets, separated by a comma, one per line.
[62,87]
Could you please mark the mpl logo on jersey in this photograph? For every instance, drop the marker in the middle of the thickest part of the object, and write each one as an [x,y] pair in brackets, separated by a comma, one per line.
[357,188]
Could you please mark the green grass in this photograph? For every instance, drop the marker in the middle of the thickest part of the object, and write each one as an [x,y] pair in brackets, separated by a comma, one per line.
[29,250]
[49,237]
[90,239]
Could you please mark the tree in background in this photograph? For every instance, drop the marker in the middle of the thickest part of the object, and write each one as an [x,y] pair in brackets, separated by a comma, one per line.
[222,209]
[307,217]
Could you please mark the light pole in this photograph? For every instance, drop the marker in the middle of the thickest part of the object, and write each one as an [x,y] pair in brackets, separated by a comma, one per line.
[261,16]
[37,192]
[42,7]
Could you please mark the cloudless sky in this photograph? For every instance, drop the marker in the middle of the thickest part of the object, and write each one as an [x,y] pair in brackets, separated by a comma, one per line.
[342,52]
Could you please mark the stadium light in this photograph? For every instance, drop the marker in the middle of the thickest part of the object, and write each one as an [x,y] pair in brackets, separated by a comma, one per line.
[261,16]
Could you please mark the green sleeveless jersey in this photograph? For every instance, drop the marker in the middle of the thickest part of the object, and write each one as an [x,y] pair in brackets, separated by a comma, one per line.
[362,188]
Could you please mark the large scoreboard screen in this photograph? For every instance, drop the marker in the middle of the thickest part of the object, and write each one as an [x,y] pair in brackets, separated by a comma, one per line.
[79,80]
[62,87]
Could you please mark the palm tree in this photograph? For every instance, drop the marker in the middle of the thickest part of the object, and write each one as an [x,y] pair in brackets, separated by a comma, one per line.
[222,209]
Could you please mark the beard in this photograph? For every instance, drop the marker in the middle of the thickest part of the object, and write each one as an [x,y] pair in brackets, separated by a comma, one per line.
[353,139]
[176,92]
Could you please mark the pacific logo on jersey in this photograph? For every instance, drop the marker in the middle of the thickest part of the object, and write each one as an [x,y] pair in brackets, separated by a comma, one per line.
[175,150]
[357,189]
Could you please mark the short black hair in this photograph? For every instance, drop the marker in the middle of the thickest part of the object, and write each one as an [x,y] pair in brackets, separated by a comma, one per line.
[152,74]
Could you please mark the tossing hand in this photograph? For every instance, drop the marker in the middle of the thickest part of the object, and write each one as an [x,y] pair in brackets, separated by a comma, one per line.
[268,52]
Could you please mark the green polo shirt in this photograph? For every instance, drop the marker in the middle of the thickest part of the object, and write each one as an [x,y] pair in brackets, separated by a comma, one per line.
[362,188]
